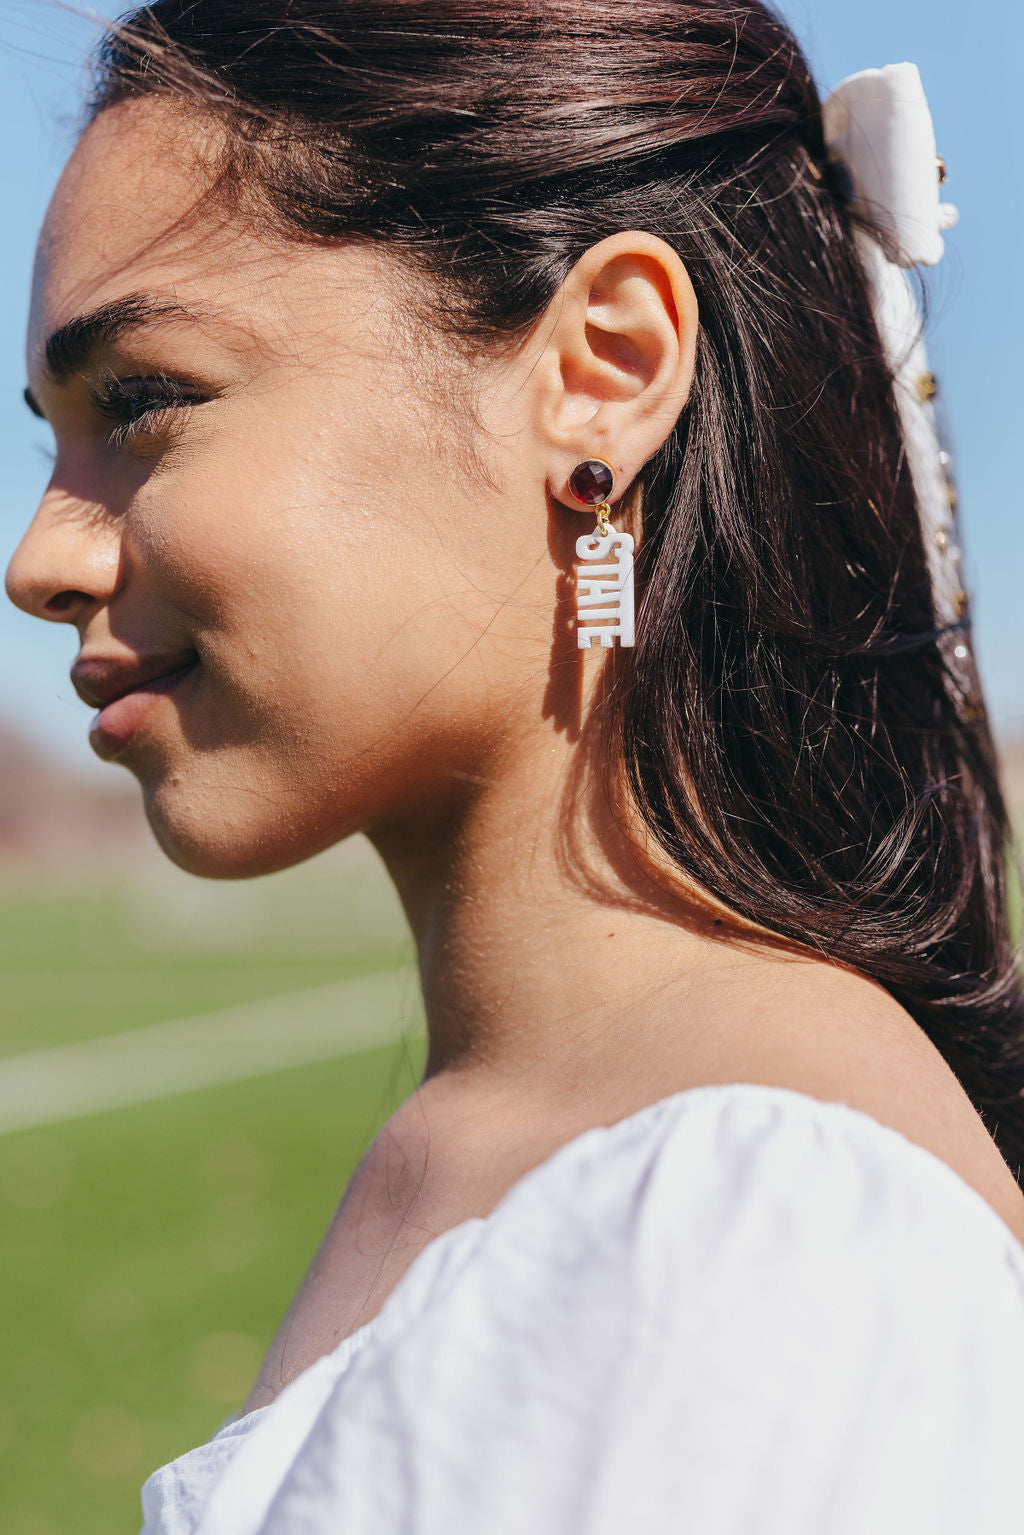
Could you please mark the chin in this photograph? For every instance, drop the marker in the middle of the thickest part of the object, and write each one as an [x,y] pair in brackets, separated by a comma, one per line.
[215,841]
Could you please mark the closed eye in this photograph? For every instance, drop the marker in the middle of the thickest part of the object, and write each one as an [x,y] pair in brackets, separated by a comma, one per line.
[143,407]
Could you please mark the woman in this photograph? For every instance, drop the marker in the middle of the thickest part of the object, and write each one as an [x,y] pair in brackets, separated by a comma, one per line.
[349,320]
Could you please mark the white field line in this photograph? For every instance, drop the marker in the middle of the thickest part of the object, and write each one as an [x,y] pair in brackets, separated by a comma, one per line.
[228,1045]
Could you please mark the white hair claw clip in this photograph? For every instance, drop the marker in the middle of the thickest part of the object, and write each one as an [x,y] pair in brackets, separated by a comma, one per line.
[878,126]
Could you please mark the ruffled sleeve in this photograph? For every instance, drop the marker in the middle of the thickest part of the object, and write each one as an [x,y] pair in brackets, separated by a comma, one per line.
[739,1312]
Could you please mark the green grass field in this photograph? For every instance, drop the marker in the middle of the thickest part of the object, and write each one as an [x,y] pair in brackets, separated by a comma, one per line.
[149,1252]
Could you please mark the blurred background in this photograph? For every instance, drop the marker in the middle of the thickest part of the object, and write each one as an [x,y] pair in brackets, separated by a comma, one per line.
[189,1071]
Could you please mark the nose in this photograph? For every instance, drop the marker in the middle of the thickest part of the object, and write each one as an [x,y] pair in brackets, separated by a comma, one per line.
[68,562]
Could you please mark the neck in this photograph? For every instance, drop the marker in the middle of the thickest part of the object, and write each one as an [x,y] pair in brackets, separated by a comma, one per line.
[553,961]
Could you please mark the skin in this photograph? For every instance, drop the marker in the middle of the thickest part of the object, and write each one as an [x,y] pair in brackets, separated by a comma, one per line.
[364,539]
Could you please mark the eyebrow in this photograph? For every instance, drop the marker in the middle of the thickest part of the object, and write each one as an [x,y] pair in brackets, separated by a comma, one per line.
[71,345]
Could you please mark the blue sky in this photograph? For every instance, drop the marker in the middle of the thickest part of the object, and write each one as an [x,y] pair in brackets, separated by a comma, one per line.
[969,61]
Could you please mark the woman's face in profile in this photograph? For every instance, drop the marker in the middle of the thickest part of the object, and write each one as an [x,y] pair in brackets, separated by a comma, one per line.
[268,506]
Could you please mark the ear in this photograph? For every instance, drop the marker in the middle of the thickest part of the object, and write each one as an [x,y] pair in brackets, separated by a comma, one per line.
[618,358]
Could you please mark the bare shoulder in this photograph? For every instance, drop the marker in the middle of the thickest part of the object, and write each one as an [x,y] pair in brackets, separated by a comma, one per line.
[865,1050]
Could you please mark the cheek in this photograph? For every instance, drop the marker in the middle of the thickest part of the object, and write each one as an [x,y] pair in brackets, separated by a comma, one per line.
[339,616]
[320,583]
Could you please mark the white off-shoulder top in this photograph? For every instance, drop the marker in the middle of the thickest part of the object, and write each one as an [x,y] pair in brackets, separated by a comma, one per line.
[740,1311]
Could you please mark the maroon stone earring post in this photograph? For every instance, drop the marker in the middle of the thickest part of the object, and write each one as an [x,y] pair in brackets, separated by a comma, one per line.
[592,481]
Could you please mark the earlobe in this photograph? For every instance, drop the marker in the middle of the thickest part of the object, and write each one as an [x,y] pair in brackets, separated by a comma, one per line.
[620,356]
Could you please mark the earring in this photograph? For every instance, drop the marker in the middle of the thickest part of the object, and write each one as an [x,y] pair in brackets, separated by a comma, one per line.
[604,578]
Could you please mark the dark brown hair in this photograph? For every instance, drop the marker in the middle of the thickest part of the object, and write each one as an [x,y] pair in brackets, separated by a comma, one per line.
[787,724]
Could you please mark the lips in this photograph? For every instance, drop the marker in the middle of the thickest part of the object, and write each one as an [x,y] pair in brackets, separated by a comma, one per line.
[101,680]
[126,689]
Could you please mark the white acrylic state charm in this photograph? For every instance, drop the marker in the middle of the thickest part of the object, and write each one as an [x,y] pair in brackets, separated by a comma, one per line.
[604,589]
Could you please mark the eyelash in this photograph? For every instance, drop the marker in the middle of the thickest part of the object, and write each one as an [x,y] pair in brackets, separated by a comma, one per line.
[136,414]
